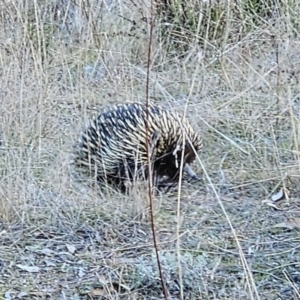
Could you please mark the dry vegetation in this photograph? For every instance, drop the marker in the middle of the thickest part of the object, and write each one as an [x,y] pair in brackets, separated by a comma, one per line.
[223,238]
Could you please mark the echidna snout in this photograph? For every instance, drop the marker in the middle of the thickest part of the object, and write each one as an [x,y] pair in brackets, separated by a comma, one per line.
[187,168]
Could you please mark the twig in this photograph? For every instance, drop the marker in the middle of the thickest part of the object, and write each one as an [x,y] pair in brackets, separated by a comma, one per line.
[165,291]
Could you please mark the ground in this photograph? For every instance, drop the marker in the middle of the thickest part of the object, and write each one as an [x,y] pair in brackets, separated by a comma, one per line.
[234,234]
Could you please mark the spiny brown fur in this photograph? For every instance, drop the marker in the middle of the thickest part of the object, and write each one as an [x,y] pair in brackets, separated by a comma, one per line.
[113,148]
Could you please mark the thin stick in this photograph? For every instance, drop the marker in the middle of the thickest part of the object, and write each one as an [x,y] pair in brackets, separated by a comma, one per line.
[165,291]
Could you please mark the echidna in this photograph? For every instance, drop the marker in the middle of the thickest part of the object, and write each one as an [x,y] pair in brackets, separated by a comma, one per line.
[113,148]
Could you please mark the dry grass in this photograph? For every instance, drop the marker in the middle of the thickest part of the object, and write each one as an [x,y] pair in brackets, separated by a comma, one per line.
[62,240]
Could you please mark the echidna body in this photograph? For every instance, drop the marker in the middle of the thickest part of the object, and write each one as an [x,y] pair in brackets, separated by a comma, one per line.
[114,146]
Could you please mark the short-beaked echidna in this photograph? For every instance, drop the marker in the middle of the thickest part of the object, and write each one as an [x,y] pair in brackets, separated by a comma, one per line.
[113,148]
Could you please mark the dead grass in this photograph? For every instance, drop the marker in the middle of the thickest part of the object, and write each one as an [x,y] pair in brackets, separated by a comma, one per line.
[64,240]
